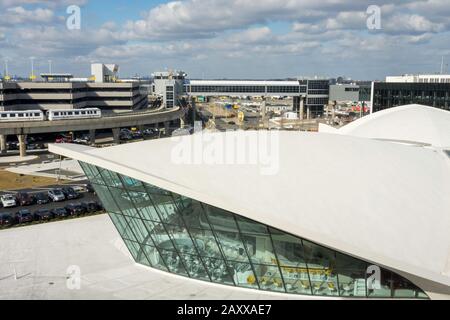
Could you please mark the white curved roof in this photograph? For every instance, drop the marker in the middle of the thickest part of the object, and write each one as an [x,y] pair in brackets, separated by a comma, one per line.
[410,123]
[382,202]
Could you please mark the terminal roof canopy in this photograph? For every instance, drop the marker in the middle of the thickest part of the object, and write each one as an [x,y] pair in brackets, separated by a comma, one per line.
[380,201]
[411,123]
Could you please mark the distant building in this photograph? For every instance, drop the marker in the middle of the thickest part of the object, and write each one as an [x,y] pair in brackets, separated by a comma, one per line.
[429,90]
[169,85]
[62,91]
[70,95]
[311,95]
[349,92]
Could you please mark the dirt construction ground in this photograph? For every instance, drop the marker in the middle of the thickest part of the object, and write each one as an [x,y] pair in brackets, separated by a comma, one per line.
[14,181]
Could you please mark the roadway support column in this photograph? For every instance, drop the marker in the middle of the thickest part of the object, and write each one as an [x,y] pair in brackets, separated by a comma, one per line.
[116,135]
[166,128]
[302,108]
[3,149]
[92,137]
[308,112]
[22,144]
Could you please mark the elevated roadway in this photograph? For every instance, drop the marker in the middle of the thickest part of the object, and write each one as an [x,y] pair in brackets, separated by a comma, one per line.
[114,122]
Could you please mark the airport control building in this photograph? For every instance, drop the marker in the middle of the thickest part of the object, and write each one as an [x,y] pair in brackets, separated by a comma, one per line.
[349,214]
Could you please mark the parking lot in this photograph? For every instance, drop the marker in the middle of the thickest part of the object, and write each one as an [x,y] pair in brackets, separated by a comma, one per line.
[83,198]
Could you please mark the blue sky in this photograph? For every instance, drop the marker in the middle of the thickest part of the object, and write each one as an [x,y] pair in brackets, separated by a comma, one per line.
[229,38]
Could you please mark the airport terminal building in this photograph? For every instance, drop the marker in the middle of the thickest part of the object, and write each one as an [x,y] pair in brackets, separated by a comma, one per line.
[312,229]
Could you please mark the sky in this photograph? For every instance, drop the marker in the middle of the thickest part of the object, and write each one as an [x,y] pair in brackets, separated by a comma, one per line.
[229,38]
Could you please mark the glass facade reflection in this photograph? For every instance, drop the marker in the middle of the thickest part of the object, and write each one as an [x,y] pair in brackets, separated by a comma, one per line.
[170,232]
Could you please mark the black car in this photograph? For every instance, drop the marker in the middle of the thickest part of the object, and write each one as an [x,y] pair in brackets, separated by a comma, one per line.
[60,213]
[91,206]
[6,219]
[24,199]
[89,188]
[70,193]
[75,209]
[24,216]
[41,198]
[43,215]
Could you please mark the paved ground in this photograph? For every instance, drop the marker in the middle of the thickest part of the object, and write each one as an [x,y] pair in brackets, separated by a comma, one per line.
[85,197]
[34,262]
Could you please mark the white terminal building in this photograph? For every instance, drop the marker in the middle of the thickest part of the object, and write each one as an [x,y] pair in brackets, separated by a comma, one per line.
[361,212]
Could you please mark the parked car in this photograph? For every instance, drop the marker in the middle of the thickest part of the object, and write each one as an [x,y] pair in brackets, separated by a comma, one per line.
[56,195]
[41,198]
[79,189]
[69,193]
[60,213]
[43,215]
[8,201]
[136,134]
[89,188]
[24,216]
[91,206]
[63,139]
[85,139]
[150,132]
[25,199]
[126,134]
[6,219]
[75,209]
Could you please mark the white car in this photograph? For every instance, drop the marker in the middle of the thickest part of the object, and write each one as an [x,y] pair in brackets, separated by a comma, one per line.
[56,195]
[8,201]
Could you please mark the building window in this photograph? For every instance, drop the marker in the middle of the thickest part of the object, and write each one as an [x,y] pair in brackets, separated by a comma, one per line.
[176,234]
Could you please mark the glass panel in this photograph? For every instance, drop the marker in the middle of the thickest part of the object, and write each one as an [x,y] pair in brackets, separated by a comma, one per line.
[154,258]
[133,247]
[124,201]
[269,278]
[174,262]
[132,184]
[195,267]
[181,239]
[146,208]
[161,237]
[351,273]
[249,226]
[259,248]
[218,271]
[194,216]
[166,209]
[402,288]
[318,256]
[232,246]
[119,222]
[220,220]
[111,178]
[206,243]
[296,280]
[323,282]
[140,231]
[289,249]
[243,275]
[383,289]
[92,173]
[106,198]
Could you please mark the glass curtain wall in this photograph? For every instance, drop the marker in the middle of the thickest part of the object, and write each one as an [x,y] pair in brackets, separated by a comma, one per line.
[173,233]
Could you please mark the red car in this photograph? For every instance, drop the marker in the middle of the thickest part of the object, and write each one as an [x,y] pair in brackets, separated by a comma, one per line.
[63,139]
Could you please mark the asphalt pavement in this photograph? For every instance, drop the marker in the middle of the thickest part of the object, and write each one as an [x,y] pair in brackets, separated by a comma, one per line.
[84,197]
